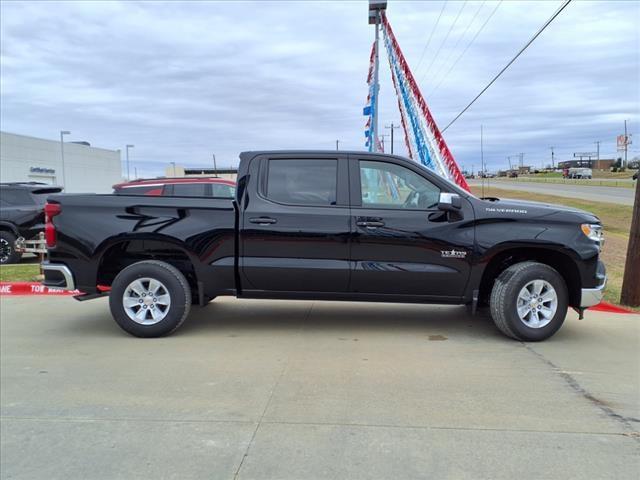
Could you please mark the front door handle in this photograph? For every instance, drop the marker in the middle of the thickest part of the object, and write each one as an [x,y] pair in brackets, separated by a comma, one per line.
[263,220]
[370,223]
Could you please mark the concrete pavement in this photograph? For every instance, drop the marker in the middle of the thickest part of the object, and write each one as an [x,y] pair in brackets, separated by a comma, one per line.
[619,195]
[314,390]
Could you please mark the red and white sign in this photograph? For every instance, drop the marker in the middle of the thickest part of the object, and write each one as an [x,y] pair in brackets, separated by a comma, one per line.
[623,141]
[32,288]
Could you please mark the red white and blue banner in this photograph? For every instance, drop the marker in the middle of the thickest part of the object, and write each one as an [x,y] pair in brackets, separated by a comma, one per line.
[423,138]
[368,108]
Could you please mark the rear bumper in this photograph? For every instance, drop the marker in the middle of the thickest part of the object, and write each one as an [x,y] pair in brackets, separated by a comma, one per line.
[593,296]
[58,275]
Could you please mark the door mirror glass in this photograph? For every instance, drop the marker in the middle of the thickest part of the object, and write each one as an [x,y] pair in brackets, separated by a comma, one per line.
[449,202]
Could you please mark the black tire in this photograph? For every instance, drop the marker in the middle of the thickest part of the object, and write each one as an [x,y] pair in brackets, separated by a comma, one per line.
[504,298]
[8,252]
[173,282]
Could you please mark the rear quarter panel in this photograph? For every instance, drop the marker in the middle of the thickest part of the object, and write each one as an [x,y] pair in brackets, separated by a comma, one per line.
[204,228]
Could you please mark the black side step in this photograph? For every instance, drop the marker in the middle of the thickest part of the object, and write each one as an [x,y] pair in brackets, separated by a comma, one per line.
[83,297]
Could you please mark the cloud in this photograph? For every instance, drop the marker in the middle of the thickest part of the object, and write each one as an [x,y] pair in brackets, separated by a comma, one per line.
[184,80]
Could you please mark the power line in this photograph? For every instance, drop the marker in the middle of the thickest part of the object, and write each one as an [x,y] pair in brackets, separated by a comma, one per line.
[424,50]
[562,7]
[443,64]
[446,36]
[465,50]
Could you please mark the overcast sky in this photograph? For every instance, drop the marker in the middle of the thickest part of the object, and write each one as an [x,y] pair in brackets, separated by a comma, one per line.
[183,80]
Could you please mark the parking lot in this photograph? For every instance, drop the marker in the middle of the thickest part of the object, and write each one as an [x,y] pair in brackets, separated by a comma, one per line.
[306,390]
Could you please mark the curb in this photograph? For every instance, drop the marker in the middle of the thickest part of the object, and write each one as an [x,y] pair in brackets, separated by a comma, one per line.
[610,308]
[35,288]
[32,288]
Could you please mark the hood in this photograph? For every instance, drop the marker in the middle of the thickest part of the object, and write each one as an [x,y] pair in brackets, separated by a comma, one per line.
[519,208]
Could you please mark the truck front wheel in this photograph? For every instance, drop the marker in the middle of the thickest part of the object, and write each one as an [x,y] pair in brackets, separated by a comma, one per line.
[150,299]
[529,301]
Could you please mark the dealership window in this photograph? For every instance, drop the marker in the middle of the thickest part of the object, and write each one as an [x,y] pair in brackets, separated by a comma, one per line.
[302,182]
[387,185]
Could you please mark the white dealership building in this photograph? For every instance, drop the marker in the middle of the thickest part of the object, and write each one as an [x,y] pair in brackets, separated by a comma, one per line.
[86,168]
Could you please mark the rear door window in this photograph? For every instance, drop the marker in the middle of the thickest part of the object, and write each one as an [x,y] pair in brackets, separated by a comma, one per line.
[140,190]
[190,190]
[302,182]
[222,191]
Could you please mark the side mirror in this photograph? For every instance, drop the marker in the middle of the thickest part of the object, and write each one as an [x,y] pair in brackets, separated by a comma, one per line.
[449,202]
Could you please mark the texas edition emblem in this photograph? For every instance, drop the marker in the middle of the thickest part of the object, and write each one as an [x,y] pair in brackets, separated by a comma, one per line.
[453,253]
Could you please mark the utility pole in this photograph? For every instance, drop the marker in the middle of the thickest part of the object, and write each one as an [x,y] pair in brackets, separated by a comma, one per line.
[337,144]
[630,285]
[62,134]
[521,155]
[215,167]
[597,142]
[553,163]
[135,172]
[392,127]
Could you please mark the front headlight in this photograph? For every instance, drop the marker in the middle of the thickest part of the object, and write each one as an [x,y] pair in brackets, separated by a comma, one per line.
[594,232]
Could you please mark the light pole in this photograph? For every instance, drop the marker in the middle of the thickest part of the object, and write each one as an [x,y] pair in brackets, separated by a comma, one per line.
[62,134]
[337,144]
[127,149]
[598,154]
[215,167]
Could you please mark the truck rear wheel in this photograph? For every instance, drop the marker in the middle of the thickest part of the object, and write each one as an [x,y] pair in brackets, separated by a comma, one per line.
[529,301]
[8,252]
[150,299]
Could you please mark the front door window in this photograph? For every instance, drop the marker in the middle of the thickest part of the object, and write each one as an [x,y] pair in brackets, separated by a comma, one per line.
[387,185]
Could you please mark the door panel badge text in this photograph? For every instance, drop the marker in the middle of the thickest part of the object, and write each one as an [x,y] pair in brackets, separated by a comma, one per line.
[453,253]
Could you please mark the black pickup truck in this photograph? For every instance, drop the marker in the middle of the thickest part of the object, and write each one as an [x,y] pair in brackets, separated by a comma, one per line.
[323,225]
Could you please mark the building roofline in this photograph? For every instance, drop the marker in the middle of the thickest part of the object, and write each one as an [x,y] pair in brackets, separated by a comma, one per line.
[58,141]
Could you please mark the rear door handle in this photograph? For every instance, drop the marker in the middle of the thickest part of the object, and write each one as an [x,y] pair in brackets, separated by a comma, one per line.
[263,220]
[370,223]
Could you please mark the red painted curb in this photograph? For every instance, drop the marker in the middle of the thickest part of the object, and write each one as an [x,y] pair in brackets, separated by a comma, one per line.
[32,288]
[610,307]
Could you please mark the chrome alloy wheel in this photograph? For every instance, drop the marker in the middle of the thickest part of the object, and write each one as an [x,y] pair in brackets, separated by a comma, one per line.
[146,301]
[5,250]
[537,303]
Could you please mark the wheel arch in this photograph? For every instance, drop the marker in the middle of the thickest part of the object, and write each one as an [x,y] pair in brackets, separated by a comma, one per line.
[560,261]
[9,227]
[124,251]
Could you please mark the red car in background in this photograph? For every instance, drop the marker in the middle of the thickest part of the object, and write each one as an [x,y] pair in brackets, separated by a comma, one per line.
[179,187]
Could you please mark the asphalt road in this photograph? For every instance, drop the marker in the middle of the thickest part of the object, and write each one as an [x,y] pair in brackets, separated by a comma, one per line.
[295,390]
[620,195]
